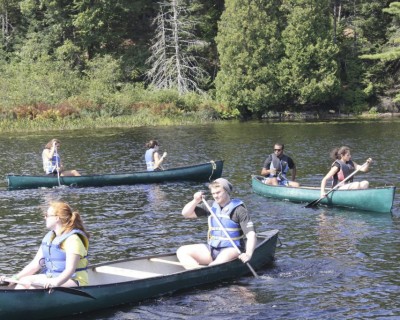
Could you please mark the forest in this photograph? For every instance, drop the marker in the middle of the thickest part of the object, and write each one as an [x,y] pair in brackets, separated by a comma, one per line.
[71,59]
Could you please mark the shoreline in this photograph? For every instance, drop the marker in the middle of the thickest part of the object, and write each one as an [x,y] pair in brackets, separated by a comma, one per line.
[328,116]
[26,125]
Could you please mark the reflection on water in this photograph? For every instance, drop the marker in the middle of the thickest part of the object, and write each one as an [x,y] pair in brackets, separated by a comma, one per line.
[333,263]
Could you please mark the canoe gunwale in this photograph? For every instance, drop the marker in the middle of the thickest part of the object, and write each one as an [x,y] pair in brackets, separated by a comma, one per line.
[258,178]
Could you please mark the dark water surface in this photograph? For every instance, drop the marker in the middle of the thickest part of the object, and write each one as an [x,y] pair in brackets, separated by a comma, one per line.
[333,263]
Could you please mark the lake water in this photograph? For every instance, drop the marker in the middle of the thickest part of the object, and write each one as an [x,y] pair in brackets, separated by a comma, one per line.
[333,263]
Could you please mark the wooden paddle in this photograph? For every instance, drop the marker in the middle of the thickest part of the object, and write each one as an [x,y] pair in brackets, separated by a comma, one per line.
[69,290]
[229,238]
[315,202]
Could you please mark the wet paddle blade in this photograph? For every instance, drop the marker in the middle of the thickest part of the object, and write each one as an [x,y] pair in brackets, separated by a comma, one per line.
[69,290]
[74,291]
[313,203]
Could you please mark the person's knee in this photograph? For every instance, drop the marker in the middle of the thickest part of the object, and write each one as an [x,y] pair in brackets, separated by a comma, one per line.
[364,185]
[181,251]
[272,182]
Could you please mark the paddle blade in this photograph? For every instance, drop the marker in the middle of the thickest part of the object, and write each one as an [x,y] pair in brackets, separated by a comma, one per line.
[75,292]
[313,203]
[70,290]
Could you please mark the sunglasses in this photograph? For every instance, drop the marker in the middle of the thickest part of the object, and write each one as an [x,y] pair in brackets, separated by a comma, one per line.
[49,215]
[277,149]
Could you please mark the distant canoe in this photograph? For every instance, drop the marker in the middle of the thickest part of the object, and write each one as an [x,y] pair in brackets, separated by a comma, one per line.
[128,281]
[371,199]
[200,172]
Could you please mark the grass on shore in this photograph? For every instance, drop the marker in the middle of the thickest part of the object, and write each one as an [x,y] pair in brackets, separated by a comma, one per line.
[124,121]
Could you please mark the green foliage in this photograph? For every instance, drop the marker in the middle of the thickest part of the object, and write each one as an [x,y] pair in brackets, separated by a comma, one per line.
[355,101]
[276,54]
[103,75]
[309,71]
[249,47]
[63,60]
[388,55]
[40,81]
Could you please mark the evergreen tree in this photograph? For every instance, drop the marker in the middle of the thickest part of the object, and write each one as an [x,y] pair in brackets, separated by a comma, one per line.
[309,71]
[361,29]
[250,48]
[390,51]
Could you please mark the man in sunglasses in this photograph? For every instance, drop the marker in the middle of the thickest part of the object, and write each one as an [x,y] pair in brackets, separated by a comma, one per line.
[276,166]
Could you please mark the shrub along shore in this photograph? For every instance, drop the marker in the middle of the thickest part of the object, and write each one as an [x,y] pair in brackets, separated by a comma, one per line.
[147,117]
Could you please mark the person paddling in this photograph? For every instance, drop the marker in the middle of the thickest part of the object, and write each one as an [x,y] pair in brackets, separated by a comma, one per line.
[341,168]
[52,164]
[62,257]
[152,157]
[233,216]
[276,167]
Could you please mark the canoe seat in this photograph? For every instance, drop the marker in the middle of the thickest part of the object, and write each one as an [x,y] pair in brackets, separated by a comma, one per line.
[126,272]
[176,263]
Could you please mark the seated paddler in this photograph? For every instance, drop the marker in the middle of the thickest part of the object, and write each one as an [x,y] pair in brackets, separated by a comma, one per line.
[233,217]
[276,167]
[61,259]
[52,164]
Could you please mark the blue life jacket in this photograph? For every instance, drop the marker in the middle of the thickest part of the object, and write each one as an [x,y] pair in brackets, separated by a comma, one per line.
[149,159]
[53,163]
[216,236]
[345,169]
[55,257]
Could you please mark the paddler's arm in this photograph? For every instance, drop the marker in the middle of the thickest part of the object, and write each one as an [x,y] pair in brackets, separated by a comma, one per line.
[294,172]
[32,268]
[71,264]
[329,175]
[363,168]
[188,210]
[250,247]
[158,160]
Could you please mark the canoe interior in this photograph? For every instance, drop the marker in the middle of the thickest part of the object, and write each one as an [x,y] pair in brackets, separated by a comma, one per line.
[378,199]
[144,268]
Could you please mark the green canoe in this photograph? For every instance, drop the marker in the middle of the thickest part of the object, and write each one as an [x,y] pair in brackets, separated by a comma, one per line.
[372,199]
[128,281]
[200,172]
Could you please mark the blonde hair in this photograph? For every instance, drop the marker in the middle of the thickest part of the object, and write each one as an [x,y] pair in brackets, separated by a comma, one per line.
[223,183]
[70,219]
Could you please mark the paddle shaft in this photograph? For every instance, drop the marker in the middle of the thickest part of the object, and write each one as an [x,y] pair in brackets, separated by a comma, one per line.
[228,237]
[315,202]
[11,280]
[58,166]
[63,289]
